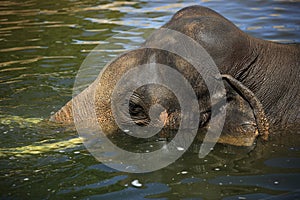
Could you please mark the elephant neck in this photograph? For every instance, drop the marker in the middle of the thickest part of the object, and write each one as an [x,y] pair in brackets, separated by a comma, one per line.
[272,74]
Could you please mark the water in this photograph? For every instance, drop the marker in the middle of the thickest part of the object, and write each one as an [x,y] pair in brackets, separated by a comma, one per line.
[43,44]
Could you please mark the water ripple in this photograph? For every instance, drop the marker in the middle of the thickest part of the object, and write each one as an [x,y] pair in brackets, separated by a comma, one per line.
[4,64]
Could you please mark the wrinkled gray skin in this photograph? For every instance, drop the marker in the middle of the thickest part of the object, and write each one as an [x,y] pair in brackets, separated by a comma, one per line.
[261,80]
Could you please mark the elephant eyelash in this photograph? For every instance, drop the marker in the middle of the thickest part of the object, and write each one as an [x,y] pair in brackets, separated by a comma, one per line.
[137,111]
[135,98]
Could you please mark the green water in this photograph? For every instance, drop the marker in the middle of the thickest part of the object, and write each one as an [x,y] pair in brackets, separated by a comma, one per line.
[42,46]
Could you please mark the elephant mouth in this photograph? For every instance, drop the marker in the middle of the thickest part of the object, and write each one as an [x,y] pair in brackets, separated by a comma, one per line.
[244,134]
[239,129]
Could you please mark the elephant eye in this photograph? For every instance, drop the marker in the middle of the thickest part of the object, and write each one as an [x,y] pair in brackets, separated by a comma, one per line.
[137,111]
[134,109]
[135,104]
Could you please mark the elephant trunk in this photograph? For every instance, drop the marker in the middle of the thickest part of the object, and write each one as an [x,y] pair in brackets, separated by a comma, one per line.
[80,108]
[64,115]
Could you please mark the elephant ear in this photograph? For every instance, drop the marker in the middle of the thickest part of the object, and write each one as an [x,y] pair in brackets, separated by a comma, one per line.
[245,117]
[257,107]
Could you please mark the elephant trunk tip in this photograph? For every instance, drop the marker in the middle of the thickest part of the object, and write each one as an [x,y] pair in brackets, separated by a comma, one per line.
[64,115]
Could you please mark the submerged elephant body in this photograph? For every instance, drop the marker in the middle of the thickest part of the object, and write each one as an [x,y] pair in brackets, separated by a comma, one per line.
[261,81]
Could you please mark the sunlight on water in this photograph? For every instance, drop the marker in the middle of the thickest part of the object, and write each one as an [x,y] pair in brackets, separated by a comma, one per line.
[41,147]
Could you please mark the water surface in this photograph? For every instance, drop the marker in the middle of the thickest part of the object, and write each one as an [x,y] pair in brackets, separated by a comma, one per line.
[43,44]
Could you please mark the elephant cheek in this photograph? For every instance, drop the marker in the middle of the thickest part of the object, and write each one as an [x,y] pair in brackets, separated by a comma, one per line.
[239,135]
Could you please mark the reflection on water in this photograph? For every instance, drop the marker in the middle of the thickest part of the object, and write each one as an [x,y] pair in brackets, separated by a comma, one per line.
[42,45]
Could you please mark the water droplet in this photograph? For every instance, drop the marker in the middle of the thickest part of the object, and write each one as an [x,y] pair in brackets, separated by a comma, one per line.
[180,148]
[12,158]
[136,183]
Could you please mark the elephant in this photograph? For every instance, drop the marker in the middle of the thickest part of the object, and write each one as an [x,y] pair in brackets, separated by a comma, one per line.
[260,77]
